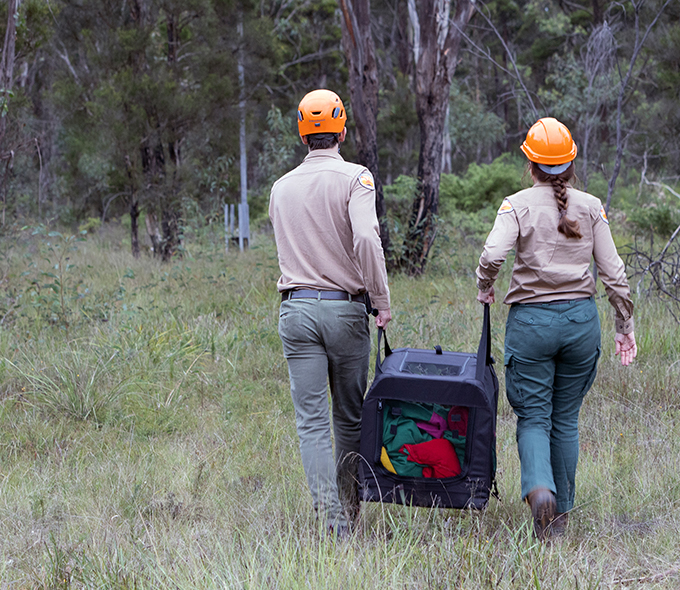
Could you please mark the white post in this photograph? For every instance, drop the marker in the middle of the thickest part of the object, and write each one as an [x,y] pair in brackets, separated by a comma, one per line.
[243,226]
[243,213]
[227,235]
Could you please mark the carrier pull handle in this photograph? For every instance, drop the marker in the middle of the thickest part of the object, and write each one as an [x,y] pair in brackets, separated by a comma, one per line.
[388,350]
[484,351]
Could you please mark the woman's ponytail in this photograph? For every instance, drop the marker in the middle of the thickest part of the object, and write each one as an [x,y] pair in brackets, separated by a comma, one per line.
[569,227]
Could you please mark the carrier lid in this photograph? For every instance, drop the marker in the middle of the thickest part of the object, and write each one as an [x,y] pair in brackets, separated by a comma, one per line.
[484,358]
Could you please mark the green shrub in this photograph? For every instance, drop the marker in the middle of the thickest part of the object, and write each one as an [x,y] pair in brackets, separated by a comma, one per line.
[481,185]
[647,208]
[660,218]
[474,130]
[399,198]
[90,225]
[468,203]
[625,194]
[398,202]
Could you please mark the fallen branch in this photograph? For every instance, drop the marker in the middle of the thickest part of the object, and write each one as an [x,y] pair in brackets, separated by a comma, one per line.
[647,579]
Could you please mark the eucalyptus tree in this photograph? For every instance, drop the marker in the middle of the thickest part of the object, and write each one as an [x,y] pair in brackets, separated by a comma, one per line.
[603,67]
[24,30]
[7,62]
[6,81]
[151,93]
[128,98]
[364,83]
[641,32]
[437,37]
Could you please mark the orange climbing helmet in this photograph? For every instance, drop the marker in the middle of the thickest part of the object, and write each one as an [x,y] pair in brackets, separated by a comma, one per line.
[550,145]
[321,111]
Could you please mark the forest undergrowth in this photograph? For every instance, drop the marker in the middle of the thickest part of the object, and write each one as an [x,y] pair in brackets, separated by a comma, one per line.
[147,436]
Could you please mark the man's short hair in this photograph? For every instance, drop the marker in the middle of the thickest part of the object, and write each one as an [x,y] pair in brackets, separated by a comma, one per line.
[322,141]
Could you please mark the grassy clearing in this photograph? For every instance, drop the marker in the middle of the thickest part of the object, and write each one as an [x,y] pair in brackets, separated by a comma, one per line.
[147,437]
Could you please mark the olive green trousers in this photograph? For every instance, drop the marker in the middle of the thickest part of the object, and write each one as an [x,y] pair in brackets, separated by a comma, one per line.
[327,343]
[551,354]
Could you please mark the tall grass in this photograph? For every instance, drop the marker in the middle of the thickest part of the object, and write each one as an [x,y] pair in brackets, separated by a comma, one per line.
[147,438]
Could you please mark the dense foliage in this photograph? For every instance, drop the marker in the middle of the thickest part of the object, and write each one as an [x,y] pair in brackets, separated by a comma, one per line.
[133,107]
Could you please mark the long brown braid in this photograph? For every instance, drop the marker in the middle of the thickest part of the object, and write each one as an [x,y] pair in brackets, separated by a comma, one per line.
[569,227]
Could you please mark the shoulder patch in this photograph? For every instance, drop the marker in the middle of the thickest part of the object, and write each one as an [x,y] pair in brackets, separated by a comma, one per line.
[603,215]
[506,207]
[366,180]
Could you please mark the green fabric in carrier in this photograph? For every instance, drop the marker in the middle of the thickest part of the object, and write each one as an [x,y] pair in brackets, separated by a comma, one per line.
[400,428]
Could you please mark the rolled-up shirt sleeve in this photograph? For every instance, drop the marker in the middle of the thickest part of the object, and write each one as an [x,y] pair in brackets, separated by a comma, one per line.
[367,246]
[501,239]
[612,273]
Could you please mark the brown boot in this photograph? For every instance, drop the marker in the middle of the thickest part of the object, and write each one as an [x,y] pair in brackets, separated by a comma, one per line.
[543,507]
[559,525]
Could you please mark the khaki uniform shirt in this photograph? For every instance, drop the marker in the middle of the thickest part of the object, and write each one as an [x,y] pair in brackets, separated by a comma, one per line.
[326,228]
[548,265]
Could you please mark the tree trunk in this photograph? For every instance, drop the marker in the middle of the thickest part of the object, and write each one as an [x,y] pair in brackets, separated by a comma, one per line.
[598,60]
[447,157]
[153,167]
[134,226]
[172,211]
[436,43]
[134,210]
[625,80]
[6,79]
[7,66]
[359,49]
[171,234]
[597,13]
[166,239]
[153,232]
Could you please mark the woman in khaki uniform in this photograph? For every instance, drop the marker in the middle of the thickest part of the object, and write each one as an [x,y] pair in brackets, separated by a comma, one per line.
[552,338]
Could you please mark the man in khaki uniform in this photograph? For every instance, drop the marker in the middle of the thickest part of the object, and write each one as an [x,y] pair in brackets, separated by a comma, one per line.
[331,259]
[552,335]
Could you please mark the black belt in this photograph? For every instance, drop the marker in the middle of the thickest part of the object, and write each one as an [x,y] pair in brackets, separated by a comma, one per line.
[332,295]
[557,301]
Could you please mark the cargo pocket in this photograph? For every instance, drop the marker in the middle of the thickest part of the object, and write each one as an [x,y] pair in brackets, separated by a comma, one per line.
[512,382]
[592,375]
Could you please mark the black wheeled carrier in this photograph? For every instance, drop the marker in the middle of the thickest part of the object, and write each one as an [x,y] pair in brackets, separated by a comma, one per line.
[428,435]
